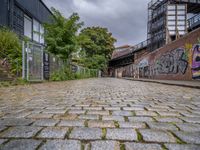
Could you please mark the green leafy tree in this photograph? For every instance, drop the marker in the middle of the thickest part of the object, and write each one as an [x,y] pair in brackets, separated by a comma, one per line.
[97,45]
[10,50]
[61,34]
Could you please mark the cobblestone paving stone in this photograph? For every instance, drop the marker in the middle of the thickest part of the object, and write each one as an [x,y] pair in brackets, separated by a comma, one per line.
[99,114]
[22,144]
[139,146]
[157,136]
[53,132]
[72,123]
[45,122]
[121,134]
[2,141]
[86,133]
[61,145]
[182,147]
[105,145]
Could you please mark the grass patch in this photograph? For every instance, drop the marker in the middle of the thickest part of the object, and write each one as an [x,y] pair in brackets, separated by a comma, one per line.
[164,147]
[139,136]
[126,118]
[86,112]
[85,145]
[104,131]
[86,123]
[69,132]
[110,112]
[122,147]
[116,124]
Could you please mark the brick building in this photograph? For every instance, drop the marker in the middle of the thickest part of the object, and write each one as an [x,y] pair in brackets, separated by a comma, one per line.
[175,54]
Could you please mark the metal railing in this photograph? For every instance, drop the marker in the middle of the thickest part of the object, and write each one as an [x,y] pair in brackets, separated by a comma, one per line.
[140,46]
[194,21]
[189,1]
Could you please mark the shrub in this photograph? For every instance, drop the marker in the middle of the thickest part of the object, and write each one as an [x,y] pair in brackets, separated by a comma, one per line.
[10,49]
[67,74]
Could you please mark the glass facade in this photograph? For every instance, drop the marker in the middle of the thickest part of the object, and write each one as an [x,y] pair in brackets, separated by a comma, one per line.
[33,30]
[176,19]
[28,26]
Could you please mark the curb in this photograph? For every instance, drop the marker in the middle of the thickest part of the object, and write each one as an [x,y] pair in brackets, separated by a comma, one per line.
[165,83]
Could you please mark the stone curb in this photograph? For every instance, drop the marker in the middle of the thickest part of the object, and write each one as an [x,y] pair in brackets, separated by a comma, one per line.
[164,82]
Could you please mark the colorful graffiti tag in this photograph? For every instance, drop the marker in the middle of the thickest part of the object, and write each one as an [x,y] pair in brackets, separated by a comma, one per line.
[173,62]
[196,62]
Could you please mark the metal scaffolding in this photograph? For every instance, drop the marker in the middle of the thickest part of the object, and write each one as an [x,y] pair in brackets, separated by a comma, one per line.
[167,20]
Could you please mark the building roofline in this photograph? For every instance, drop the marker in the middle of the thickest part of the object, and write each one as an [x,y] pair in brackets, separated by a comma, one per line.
[46,7]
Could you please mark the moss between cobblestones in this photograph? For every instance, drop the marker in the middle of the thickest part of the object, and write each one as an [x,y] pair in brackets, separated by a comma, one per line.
[4,143]
[133,112]
[147,126]
[122,146]
[86,123]
[178,140]
[104,131]
[110,112]
[100,117]
[35,136]
[116,124]
[154,119]
[126,118]
[69,132]
[139,136]
[176,126]
[84,144]
[86,112]
[164,147]
[40,145]
[128,105]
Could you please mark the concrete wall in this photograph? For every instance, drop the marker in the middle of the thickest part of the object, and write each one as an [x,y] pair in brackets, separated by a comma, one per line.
[179,60]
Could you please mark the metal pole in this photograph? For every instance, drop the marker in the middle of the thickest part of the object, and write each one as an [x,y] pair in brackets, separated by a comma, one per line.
[23,60]
[42,73]
[27,59]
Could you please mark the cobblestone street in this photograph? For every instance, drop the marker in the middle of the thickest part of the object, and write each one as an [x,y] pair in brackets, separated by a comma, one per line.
[99,114]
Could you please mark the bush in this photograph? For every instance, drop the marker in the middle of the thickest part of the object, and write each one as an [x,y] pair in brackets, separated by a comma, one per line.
[67,74]
[10,50]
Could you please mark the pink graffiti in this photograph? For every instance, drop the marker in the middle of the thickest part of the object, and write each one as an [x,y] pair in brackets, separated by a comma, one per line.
[196,62]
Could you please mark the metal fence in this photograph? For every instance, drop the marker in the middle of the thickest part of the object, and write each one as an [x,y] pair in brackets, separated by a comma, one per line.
[32,56]
[39,65]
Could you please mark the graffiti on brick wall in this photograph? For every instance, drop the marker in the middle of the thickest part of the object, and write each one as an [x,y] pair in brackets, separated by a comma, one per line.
[173,62]
[196,62]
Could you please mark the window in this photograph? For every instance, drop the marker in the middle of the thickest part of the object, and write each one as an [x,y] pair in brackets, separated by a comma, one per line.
[171,23]
[27,26]
[41,34]
[36,31]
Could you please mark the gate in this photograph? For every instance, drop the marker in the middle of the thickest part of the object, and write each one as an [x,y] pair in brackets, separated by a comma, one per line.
[32,61]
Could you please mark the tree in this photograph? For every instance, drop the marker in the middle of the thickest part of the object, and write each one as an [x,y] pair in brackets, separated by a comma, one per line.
[61,34]
[10,49]
[97,44]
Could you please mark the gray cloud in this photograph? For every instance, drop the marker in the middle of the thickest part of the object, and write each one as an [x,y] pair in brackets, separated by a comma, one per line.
[126,19]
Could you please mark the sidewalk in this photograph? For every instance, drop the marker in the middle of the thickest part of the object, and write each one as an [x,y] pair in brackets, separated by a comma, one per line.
[191,84]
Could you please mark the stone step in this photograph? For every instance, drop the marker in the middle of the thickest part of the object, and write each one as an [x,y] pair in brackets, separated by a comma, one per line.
[4,75]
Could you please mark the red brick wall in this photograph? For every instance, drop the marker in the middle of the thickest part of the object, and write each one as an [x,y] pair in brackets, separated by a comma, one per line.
[173,61]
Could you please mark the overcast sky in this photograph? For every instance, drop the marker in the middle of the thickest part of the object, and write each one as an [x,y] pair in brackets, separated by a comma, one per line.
[126,19]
